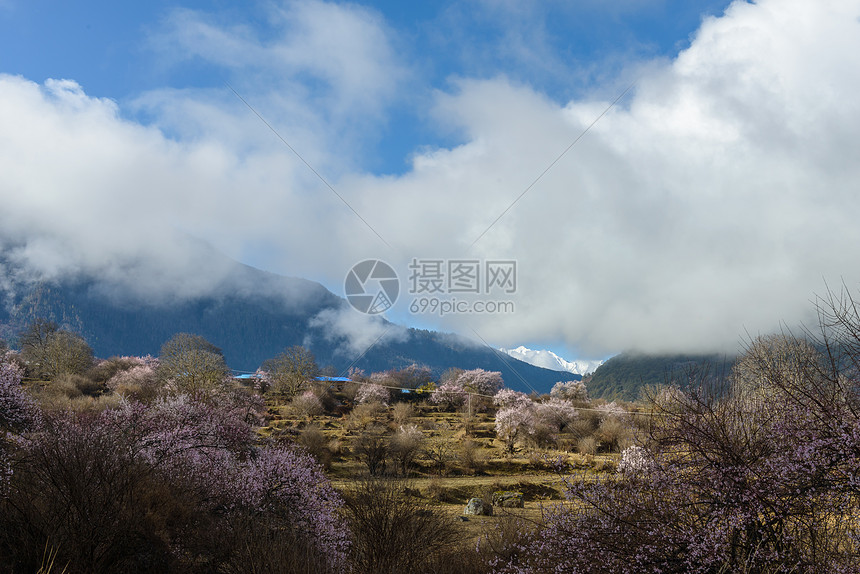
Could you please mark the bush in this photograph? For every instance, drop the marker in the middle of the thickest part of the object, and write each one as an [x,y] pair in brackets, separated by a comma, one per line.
[364,415]
[587,445]
[586,423]
[506,540]
[611,431]
[84,385]
[168,487]
[63,386]
[317,444]
[371,447]
[106,369]
[393,534]
[306,404]
[402,412]
[405,445]
[471,456]
[98,404]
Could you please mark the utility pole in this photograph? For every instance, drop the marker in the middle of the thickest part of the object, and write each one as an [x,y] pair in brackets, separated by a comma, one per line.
[469,417]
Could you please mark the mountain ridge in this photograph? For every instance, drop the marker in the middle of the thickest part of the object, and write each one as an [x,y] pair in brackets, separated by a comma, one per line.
[625,375]
[252,315]
[549,360]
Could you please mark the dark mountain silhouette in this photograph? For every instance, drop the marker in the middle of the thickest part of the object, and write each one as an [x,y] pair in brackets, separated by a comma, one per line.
[251,315]
[625,375]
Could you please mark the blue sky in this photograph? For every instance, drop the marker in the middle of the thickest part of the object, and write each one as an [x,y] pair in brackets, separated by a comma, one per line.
[703,205]
[563,49]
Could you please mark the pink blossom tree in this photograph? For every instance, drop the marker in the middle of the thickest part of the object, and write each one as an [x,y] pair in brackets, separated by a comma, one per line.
[18,411]
[556,413]
[307,404]
[754,471]
[509,398]
[449,395]
[634,460]
[18,414]
[372,393]
[613,410]
[570,390]
[514,422]
[139,381]
[480,382]
[182,477]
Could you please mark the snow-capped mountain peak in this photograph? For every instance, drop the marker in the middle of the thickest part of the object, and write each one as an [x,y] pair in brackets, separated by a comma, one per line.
[549,360]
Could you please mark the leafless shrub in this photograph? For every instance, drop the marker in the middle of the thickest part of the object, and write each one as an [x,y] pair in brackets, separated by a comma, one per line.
[587,445]
[542,436]
[440,451]
[259,547]
[611,432]
[371,447]
[566,442]
[393,534]
[402,412]
[313,440]
[349,391]
[605,464]
[105,370]
[363,416]
[139,383]
[471,456]
[405,445]
[585,424]
[65,385]
[505,539]
[84,403]
[93,504]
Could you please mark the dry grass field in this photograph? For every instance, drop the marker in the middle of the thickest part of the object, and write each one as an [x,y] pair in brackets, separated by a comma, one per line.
[458,458]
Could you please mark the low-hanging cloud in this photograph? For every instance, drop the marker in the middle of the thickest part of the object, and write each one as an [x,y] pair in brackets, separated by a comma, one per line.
[354,332]
[716,198]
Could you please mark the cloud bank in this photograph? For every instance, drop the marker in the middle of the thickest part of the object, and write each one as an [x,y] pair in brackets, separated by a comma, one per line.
[715,199]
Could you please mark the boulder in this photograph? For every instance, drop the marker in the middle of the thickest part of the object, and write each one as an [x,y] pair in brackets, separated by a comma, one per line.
[477,507]
[508,499]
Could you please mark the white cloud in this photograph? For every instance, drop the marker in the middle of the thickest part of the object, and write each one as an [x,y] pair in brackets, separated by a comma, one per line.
[716,198]
[336,63]
[356,332]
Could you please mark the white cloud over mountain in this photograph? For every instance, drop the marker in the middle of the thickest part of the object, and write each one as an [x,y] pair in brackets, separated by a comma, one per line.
[715,199]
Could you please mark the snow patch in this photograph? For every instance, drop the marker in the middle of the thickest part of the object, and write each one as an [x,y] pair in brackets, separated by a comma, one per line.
[549,360]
